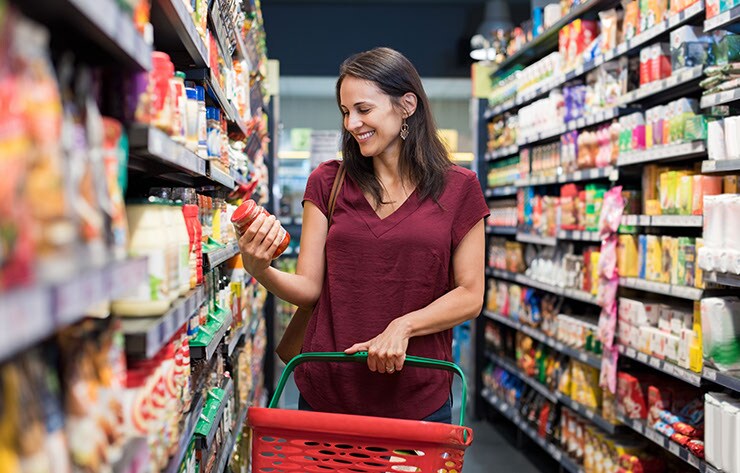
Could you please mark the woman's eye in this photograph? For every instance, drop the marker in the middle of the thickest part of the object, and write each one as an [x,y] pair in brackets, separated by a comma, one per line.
[364,111]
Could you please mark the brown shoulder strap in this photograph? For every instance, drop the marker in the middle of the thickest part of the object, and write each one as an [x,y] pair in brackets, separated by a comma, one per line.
[335,189]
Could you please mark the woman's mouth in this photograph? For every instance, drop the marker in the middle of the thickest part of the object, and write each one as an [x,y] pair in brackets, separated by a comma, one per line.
[364,136]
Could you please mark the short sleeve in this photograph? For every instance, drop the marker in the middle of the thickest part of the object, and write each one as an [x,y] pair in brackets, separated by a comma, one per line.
[471,209]
[319,185]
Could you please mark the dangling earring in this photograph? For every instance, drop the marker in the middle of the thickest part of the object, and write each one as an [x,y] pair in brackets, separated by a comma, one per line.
[404,129]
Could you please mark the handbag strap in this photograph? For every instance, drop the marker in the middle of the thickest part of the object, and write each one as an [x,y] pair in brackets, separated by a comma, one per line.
[335,189]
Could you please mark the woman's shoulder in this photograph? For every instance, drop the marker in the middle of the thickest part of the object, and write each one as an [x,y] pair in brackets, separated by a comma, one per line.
[457,175]
[326,171]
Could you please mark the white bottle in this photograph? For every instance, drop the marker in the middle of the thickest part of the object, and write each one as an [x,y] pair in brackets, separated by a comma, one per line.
[148,238]
[183,248]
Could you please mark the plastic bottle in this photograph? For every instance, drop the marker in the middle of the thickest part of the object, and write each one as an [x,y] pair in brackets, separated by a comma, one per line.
[179,107]
[183,247]
[191,136]
[202,126]
[148,237]
[245,214]
[213,125]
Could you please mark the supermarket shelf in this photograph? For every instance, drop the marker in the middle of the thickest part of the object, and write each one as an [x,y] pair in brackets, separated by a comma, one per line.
[661,365]
[683,292]
[720,98]
[499,109]
[174,29]
[205,442]
[150,142]
[536,239]
[722,20]
[101,24]
[533,383]
[595,119]
[607,172]
[663,85]
[660,153]
[663,220]
[537,181]
[511,413]
[191,421]
[220,176]
[230,440]
[730,380]
[495,230]
[213,258]
[574,353]
[146,336]
[216,92]
[37,312]
[525,280]
[501,191]
[501,274]
[579,295]
[578,235]
[729,165]
[135,452]
[542,135]
[236,337]
[728,279]
[539,46]
[633,44]
[683,453]
[207,352]
[587,412]
[502,153]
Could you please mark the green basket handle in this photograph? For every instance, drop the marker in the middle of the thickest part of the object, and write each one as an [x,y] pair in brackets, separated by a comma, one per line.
[361,357]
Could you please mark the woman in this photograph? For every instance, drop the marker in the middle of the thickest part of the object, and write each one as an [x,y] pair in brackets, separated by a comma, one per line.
[403,261]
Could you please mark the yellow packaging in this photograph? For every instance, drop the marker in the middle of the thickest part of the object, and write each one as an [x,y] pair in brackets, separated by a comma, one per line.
[684,196]
[652,207]
[696,359]
[595,256]
[730,185]
[654,266]
[627,256]
[670,260]
[650,176]
[698,273]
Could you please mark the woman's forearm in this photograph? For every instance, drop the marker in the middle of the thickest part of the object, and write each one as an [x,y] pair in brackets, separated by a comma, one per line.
[294,288]
[452,309]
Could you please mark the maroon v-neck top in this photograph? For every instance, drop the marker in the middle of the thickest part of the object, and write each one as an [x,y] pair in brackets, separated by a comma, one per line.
[378,270]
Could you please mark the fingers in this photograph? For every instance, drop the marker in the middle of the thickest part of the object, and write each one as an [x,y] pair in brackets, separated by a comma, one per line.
[385,360]
[357,347]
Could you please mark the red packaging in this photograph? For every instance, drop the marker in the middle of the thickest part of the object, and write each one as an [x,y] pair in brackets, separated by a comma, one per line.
[696,447]
[658,399]
[660,61]
[645,77]
[684,429]
[680,439]
[631,402]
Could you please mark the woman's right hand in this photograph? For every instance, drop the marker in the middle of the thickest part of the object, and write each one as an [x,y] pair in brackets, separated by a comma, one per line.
[258,243]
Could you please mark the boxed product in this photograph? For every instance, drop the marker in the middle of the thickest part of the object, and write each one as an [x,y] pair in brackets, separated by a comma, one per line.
[720,322]
[652,12]
[660,61]
[630,399]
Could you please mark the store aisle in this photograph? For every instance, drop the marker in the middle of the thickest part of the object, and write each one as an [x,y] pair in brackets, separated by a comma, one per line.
[494,444]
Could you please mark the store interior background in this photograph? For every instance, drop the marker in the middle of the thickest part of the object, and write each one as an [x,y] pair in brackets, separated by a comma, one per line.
[310,39]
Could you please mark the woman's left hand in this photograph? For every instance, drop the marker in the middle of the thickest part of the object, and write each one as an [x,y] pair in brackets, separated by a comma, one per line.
[386,353]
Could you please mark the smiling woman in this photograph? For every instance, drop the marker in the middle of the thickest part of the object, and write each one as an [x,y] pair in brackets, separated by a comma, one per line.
[402,262]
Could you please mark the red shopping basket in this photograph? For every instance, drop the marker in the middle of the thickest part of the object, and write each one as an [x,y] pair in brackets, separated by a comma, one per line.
[291,441]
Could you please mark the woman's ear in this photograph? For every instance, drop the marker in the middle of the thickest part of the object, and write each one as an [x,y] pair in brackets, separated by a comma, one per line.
[408,103]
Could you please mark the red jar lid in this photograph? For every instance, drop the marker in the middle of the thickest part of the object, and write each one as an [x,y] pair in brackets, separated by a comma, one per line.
[243,212]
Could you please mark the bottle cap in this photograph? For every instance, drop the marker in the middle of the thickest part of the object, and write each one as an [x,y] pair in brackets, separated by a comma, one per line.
[180,75]
[191,93]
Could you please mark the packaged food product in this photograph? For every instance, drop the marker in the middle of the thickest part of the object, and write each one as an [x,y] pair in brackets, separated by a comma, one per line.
[245,214]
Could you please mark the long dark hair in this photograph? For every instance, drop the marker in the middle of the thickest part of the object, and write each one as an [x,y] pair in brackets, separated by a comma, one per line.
[424,158]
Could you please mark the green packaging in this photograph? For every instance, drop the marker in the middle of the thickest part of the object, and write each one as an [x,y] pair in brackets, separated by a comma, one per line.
[684,195]
[695,128]
[686,261]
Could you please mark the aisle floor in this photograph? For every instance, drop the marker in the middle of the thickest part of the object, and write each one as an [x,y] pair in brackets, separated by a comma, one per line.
[494,443]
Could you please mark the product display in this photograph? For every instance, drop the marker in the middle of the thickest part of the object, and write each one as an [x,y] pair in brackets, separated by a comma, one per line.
[136,340]
[643,95]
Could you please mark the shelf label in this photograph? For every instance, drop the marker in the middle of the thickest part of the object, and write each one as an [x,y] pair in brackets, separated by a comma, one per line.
[589,414]
[727,96]
[642,357]
[710,374]
[637,425]
[674,449]
[583,357]
[695,462]
[653,435]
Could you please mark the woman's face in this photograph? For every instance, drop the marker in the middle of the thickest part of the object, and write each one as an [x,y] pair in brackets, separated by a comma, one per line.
[371,118]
